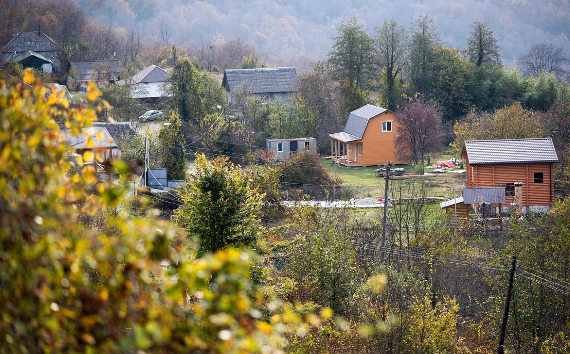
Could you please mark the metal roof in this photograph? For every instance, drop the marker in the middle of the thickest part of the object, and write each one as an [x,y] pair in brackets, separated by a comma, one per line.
[532,150]
[28,54]
[451,202]
[262,80]
[149,74]
[36,41]
[487,195]
[80,142]
[344,137]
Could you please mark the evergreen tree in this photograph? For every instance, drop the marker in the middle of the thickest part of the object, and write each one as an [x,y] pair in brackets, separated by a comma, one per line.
[422,45]
[482,47]
[185,93]
[173,152]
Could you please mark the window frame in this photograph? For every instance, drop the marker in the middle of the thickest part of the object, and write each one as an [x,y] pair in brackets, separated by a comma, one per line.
[279,146]
[359,149]
[540,176]
[385,127]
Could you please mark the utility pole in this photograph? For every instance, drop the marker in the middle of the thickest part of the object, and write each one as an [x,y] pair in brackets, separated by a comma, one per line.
[385,221]
[501,350]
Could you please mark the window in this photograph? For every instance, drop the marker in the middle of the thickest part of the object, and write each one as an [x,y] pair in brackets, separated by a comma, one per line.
[349,147]
[279,147]
[307,146]
[509,189]
[359,149]
[387,126]
[538,177]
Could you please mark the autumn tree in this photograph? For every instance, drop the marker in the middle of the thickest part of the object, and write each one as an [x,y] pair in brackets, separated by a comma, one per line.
[72,286]
[417,131]
[220,207]
[482,46]
[172,148]
[351,62]
[391,49]
[545,57]
[512,122]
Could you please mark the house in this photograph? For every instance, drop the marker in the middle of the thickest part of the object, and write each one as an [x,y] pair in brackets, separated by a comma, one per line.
[34,60]
[95,139]
[34,47]
[501,163]
[102,72]
[268,83]
[284,148]
[148,84]
[367,139]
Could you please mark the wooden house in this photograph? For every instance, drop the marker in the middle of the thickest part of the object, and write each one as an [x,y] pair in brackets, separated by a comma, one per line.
[35,48]
[284,148]
[501,163]
[367,139]
[267,83]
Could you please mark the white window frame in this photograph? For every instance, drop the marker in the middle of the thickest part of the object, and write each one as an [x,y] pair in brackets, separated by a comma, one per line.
[279,147]
[307,146]
[385,126]
[359,149]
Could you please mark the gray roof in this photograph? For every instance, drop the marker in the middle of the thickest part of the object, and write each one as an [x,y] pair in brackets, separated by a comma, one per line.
[89,70]
[149,74]
[488,195]
[28,54]
[532,150]
[451,202]
[121,132]
[80,142]
[36,41]
[357,123]
[262,80]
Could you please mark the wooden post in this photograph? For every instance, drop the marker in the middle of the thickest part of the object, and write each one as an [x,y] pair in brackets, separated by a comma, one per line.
[501,350]
[385,220]
[518,197]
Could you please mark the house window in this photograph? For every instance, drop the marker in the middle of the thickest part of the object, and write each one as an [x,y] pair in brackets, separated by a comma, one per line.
[509,189]
[306,146]
[349,147]
[538,177]
[279,147]
[359,149]
[387,126]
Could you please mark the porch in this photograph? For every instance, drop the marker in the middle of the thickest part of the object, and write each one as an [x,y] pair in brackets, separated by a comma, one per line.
[346,150]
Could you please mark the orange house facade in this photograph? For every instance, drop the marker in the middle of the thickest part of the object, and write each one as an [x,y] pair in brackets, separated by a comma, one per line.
[367,139]
[501,163]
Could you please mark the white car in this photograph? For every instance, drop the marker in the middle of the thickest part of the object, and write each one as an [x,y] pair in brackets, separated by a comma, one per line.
[150,115]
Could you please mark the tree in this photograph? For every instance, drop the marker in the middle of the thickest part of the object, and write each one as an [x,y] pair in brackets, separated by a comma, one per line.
[482,47]
[172,148]
[422,44]
[106,286]
[220,207]
[544,57]
[512,122]
[391,44]
[185,93]
[351,62]
[418,130]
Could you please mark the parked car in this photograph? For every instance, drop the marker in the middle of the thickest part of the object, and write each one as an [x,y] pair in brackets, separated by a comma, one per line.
[150,115]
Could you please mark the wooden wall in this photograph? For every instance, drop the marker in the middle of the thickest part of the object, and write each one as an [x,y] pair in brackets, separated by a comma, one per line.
[534,194]
[377,146]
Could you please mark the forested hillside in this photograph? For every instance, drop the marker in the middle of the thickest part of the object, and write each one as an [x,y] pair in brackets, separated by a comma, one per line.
[293,29]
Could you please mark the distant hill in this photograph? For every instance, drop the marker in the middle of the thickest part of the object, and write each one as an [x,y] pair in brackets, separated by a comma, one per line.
[299,28]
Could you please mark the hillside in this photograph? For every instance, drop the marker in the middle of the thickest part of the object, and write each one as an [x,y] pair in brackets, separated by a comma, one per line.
[288,31]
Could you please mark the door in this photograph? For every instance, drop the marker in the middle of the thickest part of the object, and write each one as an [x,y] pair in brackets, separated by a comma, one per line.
[293,146]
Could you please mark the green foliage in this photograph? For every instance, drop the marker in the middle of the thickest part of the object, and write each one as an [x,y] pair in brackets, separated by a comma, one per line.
[172,148]
[249,62]
[124,284]
[305,168]
[124,107]
[186,93]
[220,207]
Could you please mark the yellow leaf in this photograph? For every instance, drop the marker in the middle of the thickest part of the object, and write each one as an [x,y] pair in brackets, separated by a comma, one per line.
[29,78]
[90,143]
[93,92]
[100,136]
[106,104]
[99,156]
[51,100]
[79,159]
[88,156]
[264,327]
[87,338]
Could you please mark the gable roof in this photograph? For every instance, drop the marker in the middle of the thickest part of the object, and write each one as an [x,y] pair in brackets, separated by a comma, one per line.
[36,41]
[262,80]
[27,54]
[89,70]
[357,123]
[120,132]
[532,150]
[149,74]
[480,195]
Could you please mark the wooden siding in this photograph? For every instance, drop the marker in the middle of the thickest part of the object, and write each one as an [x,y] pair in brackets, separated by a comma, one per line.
[533,194]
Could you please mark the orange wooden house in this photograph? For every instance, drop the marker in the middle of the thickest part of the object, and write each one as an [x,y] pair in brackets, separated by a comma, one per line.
[367,139]
[501,163]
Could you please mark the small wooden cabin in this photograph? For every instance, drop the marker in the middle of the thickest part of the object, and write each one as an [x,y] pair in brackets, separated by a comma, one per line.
[501,163]
[284,148]
[367,139]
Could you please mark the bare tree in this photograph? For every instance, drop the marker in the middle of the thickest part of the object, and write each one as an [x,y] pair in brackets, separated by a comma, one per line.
[544,57]
[418,130]
[482,47]
[165,32]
